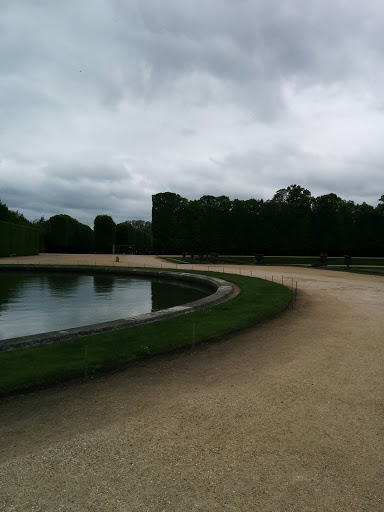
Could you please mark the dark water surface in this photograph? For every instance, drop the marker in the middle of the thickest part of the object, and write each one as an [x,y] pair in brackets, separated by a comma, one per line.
[31,303]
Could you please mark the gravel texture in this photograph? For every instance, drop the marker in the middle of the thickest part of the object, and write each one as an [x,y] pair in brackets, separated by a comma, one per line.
[287,416]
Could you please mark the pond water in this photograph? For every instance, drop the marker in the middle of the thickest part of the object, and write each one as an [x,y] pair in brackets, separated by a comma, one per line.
[32,303]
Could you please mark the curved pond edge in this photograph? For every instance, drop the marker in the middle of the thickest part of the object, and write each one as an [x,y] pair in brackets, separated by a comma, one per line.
[222,291]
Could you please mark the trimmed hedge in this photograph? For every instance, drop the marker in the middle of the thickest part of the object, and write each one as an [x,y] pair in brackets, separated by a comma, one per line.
[62,233]
[18,239]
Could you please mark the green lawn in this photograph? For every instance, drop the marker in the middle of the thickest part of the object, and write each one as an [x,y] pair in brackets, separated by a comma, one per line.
[257,300]
[374,271]
[300,260]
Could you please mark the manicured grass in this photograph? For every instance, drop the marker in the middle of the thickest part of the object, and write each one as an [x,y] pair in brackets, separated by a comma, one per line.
[257,300]
[374,271]
[300,260]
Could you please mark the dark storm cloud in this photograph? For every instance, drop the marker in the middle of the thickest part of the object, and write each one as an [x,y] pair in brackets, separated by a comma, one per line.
[105,102]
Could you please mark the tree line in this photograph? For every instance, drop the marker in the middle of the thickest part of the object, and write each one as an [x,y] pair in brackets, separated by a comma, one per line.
[128,236]
[292,222]
[17,234]
[62,233]
[14,217]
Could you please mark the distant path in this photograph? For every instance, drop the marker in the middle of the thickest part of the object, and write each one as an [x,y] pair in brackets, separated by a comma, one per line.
[287,416]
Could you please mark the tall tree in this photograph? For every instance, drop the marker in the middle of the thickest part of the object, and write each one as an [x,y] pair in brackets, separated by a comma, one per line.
[105,233]
[62,233]
[14,217]
[294,218]
[327,224]
[245,229]
[128,233]
[143,225]
[168,220]
[292,222]
[215,213]
[368,234]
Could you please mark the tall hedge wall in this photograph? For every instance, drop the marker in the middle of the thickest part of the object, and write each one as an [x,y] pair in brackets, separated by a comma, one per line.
[65,234]
[18,239]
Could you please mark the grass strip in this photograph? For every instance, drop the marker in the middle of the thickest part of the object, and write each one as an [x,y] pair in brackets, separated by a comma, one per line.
[373,271]
[38,366]
[300,260]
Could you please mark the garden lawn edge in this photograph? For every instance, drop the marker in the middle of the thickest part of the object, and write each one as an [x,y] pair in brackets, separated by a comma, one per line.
[36,367]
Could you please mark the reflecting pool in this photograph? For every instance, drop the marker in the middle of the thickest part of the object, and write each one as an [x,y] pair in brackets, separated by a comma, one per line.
[32,303]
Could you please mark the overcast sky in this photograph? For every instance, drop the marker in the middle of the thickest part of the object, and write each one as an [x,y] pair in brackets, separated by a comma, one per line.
[106,102]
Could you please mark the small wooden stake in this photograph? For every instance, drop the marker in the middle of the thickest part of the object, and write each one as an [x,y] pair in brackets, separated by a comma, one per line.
[193,334]
[86,363]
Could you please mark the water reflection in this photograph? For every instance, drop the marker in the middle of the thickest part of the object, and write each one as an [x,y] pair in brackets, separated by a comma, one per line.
[166,294]
[10,287]
[103,283]
[63,284]
[31,303]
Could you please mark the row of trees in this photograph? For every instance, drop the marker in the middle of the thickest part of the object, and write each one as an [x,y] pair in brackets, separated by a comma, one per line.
[14,217]
[18,239]
[62,233]
[292,222]
[17,234]
[135,233]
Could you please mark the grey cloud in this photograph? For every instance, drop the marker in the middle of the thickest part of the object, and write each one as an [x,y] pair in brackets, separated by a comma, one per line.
[105,102]
[351,179]
[96,172]
[145,49]
[238,40]
[187,132]
[82,202]
[260,174]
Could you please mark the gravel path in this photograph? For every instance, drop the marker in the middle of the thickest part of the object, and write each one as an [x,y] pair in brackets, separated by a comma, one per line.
[287,416]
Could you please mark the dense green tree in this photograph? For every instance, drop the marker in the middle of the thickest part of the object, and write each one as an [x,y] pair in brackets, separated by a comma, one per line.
[294,215]
[245,232]
[105,233]
[129,233]
[215,214]
[292,222]
[18,239]
[3,212]
[142,225]
[326,223]
[380,224]
[17,235]
[62,233]
[192,222]
[273,228]
[168,219]
[14,217]
[369,237]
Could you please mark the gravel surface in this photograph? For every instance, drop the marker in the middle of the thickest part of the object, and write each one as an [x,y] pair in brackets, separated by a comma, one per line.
[287,416]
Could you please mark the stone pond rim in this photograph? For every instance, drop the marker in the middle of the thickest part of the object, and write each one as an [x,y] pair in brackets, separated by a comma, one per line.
[222,291]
